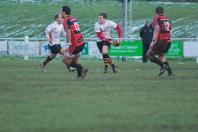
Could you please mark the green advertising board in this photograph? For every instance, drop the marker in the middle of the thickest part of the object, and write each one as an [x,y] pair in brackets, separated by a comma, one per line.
[176,50]
[85,51]
[134,48]
[129,48]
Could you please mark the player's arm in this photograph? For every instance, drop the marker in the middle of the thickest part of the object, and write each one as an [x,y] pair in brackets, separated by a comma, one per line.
[102,37]
[63,32]
[155,35]
[119,31]
[67,31]
[48,33]
[68,35]
[156,31]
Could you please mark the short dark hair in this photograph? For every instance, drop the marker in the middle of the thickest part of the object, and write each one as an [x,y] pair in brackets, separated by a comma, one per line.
[56,16]
[66,9]
[159,10]
[103,14]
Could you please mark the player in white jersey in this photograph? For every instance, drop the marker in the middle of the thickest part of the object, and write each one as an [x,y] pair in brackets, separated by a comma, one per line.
[53,32]
[103,28]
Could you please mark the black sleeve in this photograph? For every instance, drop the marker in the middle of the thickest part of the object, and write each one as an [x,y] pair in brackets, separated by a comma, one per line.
[142,32]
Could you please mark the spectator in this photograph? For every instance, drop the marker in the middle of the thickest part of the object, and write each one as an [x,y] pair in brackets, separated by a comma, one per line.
[146,34]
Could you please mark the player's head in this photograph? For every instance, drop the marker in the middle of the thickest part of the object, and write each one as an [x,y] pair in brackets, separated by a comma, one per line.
[159,10]
[147,23]
[66,10]
[58,18]
[102,17]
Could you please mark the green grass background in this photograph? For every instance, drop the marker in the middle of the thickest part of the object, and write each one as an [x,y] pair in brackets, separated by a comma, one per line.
[20,19]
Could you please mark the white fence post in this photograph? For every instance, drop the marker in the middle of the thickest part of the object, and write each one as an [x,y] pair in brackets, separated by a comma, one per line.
[26,57]
[197,53]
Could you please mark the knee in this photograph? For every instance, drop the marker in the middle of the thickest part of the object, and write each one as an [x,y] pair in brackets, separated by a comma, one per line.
[104,52]
[53,57]
[67,61]
[105,55]
[148,55]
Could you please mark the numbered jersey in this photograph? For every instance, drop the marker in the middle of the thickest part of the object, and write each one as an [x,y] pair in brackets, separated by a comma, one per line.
[76,35]
[165,27]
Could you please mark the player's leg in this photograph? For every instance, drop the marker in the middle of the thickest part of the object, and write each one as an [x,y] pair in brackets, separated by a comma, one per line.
[163,60]
[62,52]
[151,56]
[157,61]
[72,59]
[72,69]
[54,50]
[100,47]
[81,71]
[167,45]
[166,64]
[43,64]
[49,58]
[107,59]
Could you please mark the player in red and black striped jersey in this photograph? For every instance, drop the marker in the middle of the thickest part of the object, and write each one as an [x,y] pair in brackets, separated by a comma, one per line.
[77,43]
[161,41]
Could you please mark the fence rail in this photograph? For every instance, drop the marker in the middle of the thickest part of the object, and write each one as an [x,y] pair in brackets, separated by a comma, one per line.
[131,47]
[92,39]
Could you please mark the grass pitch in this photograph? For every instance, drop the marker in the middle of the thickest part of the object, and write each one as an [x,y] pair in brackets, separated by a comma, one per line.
[134,99]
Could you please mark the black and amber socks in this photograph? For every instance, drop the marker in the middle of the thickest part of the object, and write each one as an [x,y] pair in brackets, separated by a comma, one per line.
[156,61]
[106,59]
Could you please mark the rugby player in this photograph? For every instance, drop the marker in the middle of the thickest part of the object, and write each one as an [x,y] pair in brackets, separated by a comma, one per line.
[161,41]
[77,43]
[103,28]
[53,32]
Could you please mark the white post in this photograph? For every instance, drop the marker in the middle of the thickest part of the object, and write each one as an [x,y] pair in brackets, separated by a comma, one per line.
[125,19]
[130,16]
[197,54]
[26,57]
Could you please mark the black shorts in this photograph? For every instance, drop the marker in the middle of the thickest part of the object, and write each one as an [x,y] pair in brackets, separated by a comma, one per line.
[161,47]
[101,44]
[55,49]
[78,49]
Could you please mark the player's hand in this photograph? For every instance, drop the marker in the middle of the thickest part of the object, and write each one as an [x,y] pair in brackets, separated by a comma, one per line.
[151,45]
[116,42]
[119,40]
[50,41]
[66,50]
